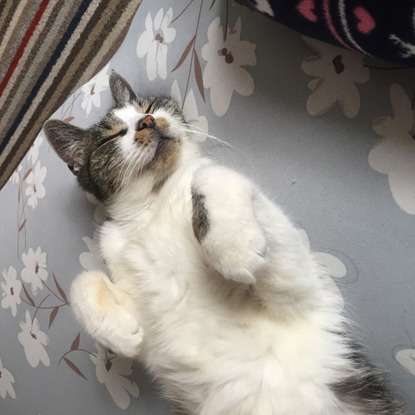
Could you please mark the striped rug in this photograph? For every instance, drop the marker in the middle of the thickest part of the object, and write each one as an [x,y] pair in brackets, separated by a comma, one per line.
[48,49]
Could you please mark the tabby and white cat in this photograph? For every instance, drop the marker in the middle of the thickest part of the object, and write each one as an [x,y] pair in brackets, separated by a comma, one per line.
[209,284]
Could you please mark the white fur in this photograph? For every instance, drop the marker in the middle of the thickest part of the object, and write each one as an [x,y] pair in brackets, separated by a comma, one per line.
[240,324]
[130,117]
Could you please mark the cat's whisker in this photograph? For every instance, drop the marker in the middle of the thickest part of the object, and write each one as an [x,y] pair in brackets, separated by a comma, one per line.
[131,164]
[215,139]
[211,139]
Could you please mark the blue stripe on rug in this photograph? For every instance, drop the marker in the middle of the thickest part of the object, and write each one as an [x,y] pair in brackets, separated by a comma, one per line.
[58,51]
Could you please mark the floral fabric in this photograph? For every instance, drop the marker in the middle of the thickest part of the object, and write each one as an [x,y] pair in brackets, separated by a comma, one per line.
[327,132]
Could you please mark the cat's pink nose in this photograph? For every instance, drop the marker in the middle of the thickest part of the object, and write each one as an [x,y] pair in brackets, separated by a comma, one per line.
[146,122]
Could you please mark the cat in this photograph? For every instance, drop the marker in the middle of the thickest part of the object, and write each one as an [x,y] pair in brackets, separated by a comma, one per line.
[210,285]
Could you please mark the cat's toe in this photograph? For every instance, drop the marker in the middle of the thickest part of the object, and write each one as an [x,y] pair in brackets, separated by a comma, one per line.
[129,344]
[242,275]
[246,270]
[242,261]
[131,347]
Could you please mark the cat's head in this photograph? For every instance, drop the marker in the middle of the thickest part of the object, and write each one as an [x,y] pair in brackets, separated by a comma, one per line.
[139,136]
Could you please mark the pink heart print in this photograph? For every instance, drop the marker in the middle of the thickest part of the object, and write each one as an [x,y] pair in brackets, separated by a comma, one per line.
[366,23]
[306,8]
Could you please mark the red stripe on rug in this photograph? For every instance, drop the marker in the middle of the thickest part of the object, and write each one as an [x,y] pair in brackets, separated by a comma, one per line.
[23,44]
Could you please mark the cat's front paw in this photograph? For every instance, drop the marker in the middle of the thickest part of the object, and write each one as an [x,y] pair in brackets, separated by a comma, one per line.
[105,311]
[241,260]
[122,334]
[130,345]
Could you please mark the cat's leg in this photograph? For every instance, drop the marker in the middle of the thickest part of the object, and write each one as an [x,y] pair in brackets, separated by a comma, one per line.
[106,313]
[224,223]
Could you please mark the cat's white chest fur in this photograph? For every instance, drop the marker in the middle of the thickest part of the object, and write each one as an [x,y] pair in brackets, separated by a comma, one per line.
[154,241]
[204,334]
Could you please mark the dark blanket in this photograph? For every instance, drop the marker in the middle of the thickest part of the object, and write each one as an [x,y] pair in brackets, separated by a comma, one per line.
[381,28]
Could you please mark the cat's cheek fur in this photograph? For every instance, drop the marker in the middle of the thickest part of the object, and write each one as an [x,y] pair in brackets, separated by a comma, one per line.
[171,126]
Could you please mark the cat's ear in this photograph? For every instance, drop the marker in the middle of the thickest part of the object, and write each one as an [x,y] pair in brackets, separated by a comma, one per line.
[121,91]
[68,142]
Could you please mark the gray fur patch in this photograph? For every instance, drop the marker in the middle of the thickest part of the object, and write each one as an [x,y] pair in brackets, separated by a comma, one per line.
[366,391]
[200,220]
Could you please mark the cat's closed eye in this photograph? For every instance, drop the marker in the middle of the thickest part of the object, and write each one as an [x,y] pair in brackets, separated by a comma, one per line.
[113,136]
[149,108]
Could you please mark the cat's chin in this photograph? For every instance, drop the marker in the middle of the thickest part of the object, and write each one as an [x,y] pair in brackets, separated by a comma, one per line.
[166,157]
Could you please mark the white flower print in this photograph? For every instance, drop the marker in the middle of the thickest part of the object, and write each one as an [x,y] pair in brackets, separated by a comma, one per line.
[6,381]
[112,372]
[153,43]
[406,358]
[331,264]
[35,189]
[265,7]
[196,122]
[91,259]
[33,340]
[224,72]
[336,72]
[15,177]
[100,213]
[34,271]
[93,88]
[33,153]
[11,287]
[394,154]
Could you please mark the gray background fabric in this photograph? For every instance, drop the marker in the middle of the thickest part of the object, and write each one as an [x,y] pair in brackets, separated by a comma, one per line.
[330,156]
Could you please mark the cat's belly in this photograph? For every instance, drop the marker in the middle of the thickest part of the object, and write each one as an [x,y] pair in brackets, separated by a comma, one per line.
[195,351]
[207,337]
[195,320]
